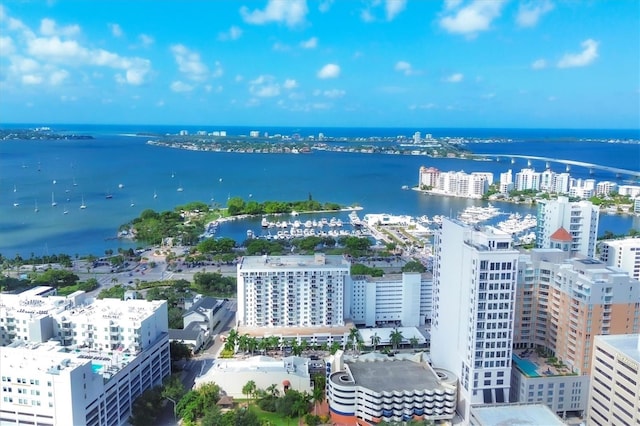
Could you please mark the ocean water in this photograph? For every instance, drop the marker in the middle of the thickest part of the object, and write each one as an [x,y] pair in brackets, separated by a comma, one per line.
[33,173]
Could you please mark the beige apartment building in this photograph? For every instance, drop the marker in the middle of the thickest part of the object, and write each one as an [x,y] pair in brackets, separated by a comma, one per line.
[614,397]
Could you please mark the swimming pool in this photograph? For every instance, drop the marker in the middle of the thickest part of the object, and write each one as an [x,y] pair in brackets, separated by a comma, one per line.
[96,367]
[526,366]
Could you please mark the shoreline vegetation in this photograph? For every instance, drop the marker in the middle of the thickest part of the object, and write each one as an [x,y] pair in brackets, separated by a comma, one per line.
[192,221]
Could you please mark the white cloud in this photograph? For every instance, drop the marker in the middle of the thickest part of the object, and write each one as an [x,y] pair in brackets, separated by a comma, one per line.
[529,13]
[69,52]
[290,84]
[48,27]
[180,87]
[146,40]
[367,16]
[189,63]
[588,55]
[116,30]
[539,64]
[454,78]
[334,93]
[405,68]
[329,71]
[394,7]
[312,43]
[472,18]
[422,106]
[233,33]
[31,79]
[6,46]
[264,86]
[280,47]
[291,13]
[57,77]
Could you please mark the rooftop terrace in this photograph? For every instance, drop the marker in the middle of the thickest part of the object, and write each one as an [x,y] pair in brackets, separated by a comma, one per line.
[533,365]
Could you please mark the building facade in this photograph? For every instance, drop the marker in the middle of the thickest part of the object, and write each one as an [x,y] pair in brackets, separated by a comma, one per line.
[71,360]
[622,254]
[615,385]
[404,299]
[474,285]
[291,291]
[579,219]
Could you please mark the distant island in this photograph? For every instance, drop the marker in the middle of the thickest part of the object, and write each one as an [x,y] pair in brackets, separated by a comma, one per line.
[39,133]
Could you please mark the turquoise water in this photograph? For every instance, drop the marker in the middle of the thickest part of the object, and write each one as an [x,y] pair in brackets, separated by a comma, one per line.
[84,171]
[526,366]
[96,367]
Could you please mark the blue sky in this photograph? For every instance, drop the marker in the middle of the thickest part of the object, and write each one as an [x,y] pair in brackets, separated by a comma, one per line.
[374,63]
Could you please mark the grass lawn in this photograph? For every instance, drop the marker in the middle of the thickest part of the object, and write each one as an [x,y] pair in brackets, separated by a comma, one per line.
[274,418]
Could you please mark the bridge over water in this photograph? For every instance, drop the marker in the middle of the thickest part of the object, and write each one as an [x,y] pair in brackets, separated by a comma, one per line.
[634,173]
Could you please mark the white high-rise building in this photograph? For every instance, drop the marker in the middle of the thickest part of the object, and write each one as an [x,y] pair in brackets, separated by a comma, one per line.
[506,182]
[405,298]
[527,179]
[474,285]
[292,291]
[74,361]
[578,219]
[561,182]
[622,254]
[615,386]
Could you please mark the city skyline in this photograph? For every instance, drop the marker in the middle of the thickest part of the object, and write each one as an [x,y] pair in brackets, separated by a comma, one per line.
[546,64]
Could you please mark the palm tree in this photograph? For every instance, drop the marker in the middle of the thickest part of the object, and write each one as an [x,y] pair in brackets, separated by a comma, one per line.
[252,344]
[334,347]
[243,342]
[317,396]
[414,342]
[354,335]
[232,339]
[375,341]
[273,390]
[395,337]
[263,345]
[249,389]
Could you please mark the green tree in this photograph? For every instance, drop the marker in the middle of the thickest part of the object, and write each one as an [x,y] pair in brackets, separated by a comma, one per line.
[413,266]
[179,351]
[249,389]
[395,337]
[375,341]
[144,410]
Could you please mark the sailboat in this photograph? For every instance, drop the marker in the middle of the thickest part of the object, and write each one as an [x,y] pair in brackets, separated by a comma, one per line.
[180,188]
[36,209]
[83,205]
[132,204]
[155,194]
[74,182]
[66,209]
[53,201]
[15,189]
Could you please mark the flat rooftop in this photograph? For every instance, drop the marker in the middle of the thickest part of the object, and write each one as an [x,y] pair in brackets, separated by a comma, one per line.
[514,415]
[305,332]
[319,261]
[392,375]
[628,344]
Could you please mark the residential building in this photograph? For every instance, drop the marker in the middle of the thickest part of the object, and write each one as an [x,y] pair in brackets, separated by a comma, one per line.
[561,183]
[562,303]
[292,291]
[71,360]
[373,388]
[605,188]
[527,179]
[428,177]
[632,191]
[615,385]
[622,254]
[582,188]
[579,219]
[506,182]
[474,284]
[404,299]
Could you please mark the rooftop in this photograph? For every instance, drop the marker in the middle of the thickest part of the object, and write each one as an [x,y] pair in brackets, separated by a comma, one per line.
[379,373]
[628,344]
[514,414]
[318,261]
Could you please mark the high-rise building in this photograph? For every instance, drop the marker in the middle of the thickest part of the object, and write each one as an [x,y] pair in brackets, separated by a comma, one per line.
[578,219]
[74,361]
[474,286]
[562,303]
[291,291]
[527,179]
[405,299]
[622,254]
[614,397]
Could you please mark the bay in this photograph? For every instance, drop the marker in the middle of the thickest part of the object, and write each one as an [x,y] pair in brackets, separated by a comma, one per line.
[122,165]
